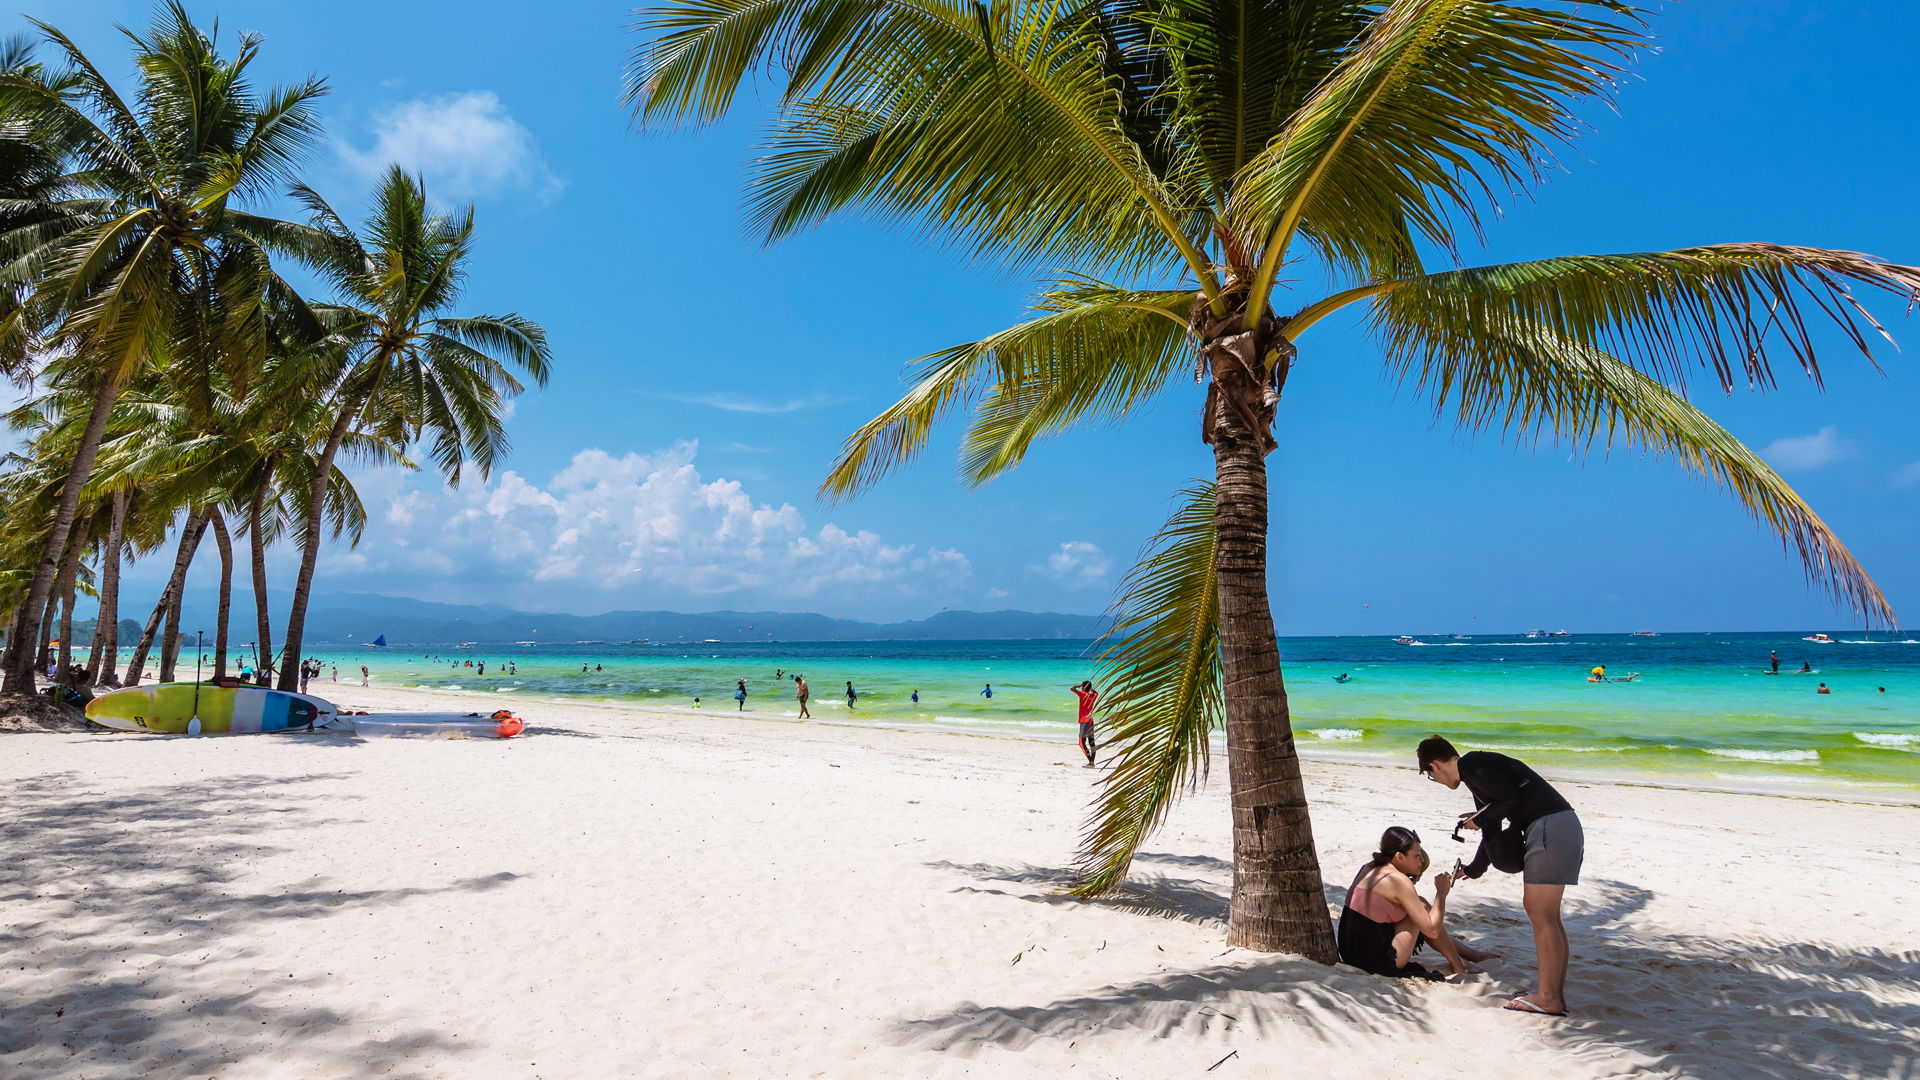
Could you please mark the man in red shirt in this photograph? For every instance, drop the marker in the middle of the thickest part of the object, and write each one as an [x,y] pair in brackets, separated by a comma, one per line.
[1087,695]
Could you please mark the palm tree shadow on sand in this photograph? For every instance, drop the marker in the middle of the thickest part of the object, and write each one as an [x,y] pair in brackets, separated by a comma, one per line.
[1746,1009]
[116,896]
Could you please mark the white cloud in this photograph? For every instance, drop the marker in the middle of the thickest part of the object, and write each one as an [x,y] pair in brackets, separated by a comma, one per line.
[465,144]
[639,530]
[1905,475]
[1078,565]
[1808,452]
[735,403]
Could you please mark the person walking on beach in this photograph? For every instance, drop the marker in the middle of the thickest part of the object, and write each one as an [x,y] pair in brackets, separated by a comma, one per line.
[740,695]
[800,693]
[852,695]
[1509,799]
[1087,695]
[363,674]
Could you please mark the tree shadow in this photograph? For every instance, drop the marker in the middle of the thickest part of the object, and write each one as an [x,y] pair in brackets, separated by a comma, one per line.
[1679,1004]
[1144,893]
[116,895]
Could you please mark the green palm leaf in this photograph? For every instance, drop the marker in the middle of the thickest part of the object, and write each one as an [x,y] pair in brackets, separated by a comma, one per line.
[1098,355]
[1721,303]
[1444,105]
[1161,674]
[1531,379]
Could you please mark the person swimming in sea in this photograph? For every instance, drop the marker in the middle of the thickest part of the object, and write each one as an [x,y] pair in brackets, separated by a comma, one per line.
[1805,669]
[988,692]
[916,697]
[1343,677]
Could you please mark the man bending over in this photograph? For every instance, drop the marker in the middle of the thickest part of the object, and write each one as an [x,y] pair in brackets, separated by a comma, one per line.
[1511,798]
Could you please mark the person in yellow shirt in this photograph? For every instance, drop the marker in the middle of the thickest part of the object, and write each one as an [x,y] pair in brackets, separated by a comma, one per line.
[1599,674]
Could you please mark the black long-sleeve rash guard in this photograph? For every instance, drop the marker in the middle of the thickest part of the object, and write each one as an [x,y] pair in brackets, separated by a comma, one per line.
[1509,795]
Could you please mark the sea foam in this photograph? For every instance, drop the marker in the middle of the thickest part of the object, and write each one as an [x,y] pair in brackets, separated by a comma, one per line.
[1767,755]
[1338,733]
[1881,739]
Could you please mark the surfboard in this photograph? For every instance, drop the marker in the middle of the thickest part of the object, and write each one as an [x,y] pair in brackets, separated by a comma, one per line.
[241,710]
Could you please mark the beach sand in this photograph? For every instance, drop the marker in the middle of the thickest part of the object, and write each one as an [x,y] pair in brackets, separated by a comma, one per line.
[621,894]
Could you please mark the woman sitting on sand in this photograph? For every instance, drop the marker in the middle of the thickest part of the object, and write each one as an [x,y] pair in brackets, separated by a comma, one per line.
[1385,919]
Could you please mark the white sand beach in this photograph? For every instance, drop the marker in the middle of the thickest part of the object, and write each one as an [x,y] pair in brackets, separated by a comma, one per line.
[625,894]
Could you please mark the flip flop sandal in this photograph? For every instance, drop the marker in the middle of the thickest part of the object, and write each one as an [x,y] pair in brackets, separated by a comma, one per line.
[1521,1004]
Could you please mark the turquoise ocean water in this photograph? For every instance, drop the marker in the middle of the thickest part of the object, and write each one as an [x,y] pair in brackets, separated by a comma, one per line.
[1703,709]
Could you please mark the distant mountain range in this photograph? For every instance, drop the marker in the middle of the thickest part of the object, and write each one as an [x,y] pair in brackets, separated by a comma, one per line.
[356,618]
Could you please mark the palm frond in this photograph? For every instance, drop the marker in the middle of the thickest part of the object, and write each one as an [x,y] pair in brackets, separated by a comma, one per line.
[1098,354]
[995,127]
[1722,303]
[1161,673]
[1444,106]
[1530,380]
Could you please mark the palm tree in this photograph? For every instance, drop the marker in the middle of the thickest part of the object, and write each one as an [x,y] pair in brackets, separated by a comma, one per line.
[161,176]
[1175,156]
[414,370]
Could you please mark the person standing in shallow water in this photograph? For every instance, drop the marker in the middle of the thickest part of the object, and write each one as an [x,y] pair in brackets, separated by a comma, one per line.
[800,694]
[1515,809]
[852,694]
[1087,695]
[740,696]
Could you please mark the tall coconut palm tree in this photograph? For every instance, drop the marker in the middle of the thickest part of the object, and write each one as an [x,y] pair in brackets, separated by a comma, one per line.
[164,173]
[1175,157]
[414,370]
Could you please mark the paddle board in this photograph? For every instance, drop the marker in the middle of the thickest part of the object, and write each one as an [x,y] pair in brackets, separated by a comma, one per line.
[438,725]
[240,710]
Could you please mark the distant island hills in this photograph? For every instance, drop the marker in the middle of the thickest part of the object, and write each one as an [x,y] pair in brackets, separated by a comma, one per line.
[358,618]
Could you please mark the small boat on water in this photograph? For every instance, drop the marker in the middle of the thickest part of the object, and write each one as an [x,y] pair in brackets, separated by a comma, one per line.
[1536,633]
[377,643]
[1645,633]
[1405,640]
[1559,633]
[1821,638]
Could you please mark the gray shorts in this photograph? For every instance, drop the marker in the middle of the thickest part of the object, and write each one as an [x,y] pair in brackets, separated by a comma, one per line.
[1555,847]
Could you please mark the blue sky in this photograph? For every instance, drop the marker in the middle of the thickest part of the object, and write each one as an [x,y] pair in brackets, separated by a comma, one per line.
[703,382]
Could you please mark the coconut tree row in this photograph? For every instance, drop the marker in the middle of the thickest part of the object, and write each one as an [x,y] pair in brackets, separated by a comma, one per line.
[186,387]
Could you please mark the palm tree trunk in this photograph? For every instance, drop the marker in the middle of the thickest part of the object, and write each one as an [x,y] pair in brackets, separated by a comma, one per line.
[43,656]
[189,538]
[170,644]
[1279,904]
[136,667]
[106,625]
[17,662]
[263,645]
[310,549]
[221,538]
[64,586]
